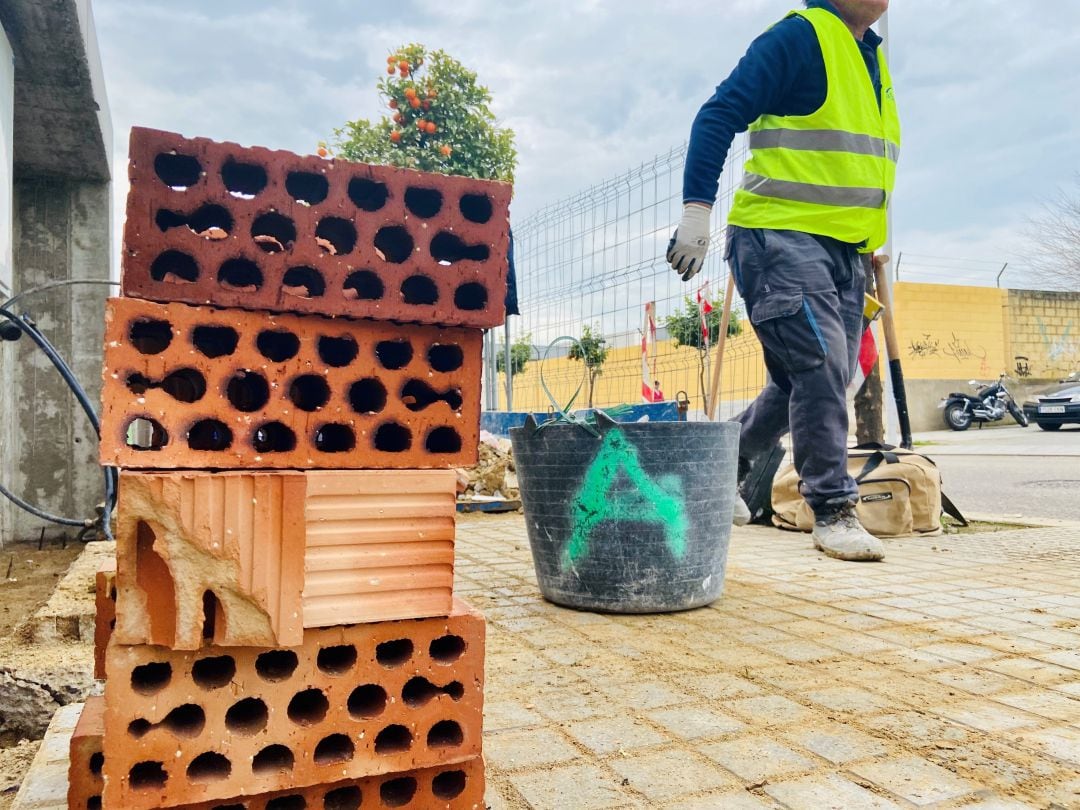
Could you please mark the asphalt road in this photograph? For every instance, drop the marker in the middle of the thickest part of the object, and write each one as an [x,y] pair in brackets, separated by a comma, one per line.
[1009,471]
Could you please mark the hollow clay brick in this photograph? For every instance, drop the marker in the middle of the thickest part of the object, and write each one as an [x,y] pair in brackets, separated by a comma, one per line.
[210,559]
[361,700]
[380,545]
[180,203]
[454,787]
[375,546]
[85,782]
[104,613]
[284,391]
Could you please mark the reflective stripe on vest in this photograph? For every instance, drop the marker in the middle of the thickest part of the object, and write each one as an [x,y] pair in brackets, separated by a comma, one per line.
[810,193]
[824,140]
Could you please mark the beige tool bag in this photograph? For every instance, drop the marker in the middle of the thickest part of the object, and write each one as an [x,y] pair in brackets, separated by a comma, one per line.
[899,494]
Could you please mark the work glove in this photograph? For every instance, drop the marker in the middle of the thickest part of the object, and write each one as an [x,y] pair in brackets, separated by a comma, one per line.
[687,248]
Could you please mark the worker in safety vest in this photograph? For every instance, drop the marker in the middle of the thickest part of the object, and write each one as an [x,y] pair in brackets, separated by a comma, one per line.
[815,93]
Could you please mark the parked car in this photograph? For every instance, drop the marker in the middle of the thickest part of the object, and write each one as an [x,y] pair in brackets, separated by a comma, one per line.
[1056,405]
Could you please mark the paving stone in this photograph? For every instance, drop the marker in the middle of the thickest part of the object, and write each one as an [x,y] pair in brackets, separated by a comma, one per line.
[830,792]
[916,780]
[837,743]
[1061,743]
[607,735]
[986,715]
[514,750]
[738,800]
[756,759]
[664,775]
[583,787]
[769,710]
[847,699]
[695,722]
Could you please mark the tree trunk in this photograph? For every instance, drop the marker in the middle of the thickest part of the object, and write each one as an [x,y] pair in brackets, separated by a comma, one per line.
[869,424]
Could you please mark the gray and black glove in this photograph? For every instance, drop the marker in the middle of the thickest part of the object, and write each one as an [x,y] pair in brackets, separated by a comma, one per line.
[687,248]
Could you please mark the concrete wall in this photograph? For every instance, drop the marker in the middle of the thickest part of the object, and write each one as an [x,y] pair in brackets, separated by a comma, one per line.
[7,350]
[1044,334]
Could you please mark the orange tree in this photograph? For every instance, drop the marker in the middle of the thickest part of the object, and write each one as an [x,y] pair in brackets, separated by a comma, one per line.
[439,121]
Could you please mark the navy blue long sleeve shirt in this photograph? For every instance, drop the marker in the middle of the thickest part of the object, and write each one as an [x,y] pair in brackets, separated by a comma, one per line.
[782,73]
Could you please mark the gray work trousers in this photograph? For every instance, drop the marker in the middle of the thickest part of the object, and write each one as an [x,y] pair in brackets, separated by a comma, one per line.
[804,298]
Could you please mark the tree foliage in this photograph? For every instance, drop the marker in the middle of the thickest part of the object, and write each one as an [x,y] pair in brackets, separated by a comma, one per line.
[440,121]
[590,349]
[1055,240]
[684,327]
[521,352]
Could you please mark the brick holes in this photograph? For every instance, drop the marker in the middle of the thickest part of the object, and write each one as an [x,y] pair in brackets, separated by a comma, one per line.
[93,803]
[276,665]
[273,759]
[273,232]
[420,691]
[476,208]
[392,437]
[367,395]
[448,785]
[471,297]
[174,266]
[307,187]
[308,707]
[309,392]
[448,248]
[213,616]
[248,391]
[240,275]
[243,180]
[303,282]
[445,734]
[209,434]
[247,717]
[397,792]
[213,673]
[417,395]
[178,172]
[335,438]
[150,336]
[336,660]
[394,354]
[343,798]
[366,701]
[146,679]
[144,433]
[443,440]
[337,352]
[443,357]
[367,195]
[209,767]
[419,291]
[293,802]
[334,748]
[424,202]
[97,761]
[183,385]
[139,727]
[277,345]
[273,437]
[394,653]
[215,341]
[364,285]
[447,649]
[394,244]
[209,221]
[335,235]
[147,776]
[185,721]
[394,739]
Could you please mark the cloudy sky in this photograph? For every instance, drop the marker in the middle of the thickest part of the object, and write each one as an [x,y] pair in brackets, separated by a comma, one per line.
[592,87]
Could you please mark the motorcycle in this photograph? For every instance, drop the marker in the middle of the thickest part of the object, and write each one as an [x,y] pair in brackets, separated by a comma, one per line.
[989,403]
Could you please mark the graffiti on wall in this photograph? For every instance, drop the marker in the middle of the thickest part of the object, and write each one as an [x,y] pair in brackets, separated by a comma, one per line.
[657,501]
[925,346]
[958,348]
[1023,366]
[1061,349]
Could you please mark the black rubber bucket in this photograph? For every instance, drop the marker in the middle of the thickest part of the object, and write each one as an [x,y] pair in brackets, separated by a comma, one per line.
[636,520]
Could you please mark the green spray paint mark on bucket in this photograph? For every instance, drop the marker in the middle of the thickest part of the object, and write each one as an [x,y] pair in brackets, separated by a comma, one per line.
[651,501]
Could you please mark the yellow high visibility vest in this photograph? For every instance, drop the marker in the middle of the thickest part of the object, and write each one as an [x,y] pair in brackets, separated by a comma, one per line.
[830,172]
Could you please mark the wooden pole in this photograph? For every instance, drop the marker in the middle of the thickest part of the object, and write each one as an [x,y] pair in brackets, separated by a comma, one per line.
[714,388]
[892,347]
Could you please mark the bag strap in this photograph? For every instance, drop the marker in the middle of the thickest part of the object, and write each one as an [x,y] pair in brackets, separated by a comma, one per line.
[875,461]
[950,509]
[874,446]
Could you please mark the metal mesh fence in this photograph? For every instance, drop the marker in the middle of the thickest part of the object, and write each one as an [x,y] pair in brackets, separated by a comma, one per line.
[593,261]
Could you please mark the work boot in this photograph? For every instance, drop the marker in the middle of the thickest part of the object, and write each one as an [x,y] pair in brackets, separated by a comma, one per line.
[741,515]
[842,536]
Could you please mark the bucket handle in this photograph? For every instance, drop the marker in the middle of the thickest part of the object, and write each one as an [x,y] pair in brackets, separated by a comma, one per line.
[565,414]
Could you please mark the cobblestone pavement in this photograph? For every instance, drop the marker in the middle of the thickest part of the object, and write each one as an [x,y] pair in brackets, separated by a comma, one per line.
[947,676]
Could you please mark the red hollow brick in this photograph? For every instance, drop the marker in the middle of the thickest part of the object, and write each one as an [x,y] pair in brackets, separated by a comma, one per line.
[196,206]
[351,702]
[376,545]
[236,389]
[104,613]
[85,781]
[454,787]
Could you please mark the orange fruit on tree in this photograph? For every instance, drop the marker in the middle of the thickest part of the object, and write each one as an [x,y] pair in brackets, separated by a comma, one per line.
[403,65]
[410,92]
[422,125]
[446,150]
[393,104]
[322,152]
[431,128]
[431,92]
[392,60]
[426,105]
[395,136]
[390,70]
[399,118]
[414,102]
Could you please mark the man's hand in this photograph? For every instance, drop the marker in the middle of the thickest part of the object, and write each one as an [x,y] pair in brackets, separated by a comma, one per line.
[687,248]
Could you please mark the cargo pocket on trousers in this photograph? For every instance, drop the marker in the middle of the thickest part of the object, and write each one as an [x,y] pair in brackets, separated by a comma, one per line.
[787,328]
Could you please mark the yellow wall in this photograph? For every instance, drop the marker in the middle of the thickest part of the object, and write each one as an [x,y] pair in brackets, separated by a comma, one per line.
[1045,334]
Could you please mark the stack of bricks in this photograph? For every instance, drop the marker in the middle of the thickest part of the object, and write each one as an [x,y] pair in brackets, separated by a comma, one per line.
[291,374]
